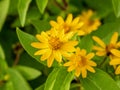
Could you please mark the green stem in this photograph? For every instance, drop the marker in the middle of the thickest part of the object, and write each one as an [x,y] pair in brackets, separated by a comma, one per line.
[103,63]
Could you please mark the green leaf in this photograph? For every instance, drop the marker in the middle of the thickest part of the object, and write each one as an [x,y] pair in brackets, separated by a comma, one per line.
[42,5]
[40,87]
[26,40]
[59,79]
[9,86]
[4,6]
[18,81]
[99,81]
[28,72]
[2,56]
[116,7]
[86,43]
[22,10]
[102,7]
[40,25]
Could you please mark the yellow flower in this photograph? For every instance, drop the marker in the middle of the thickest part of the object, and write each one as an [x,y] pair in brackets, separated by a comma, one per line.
[53,46]
[116,64]
[81,62]
[69,25]
[89,24]
[110,49]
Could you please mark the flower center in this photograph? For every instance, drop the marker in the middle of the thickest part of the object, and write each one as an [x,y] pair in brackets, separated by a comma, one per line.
[82,61]
[55,43]
[66,28]
[108,48]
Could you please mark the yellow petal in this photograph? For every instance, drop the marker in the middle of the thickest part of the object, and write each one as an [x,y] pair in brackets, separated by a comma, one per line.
[90,69]
[114,38]
[41,38]
[54,32]
[68,64]
[68,48]
[69,19]
[58,56]
[90,55]
[71,68]
[101,53]
[91,63]
[65,54]
[117,71]
[46,55]
[77,72]
[84,73]
[39,45]
[83,52]
[99,41]
[115,52]
[118,44]
[75,21]
[60,20]
[98,48]
[81,33]
[61,35]
[50,60]
[54,24]
[115,61]
[40,52]
[79,25]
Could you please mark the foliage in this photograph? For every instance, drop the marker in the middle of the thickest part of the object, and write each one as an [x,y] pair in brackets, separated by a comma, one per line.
[21,20]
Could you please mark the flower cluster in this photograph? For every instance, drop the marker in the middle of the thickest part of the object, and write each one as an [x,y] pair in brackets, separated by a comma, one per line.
[111,50]
[57,43]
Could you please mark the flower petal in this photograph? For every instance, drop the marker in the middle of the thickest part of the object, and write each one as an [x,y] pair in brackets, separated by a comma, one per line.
[84,72]
[57,56]
[115,52]
[41,38]
[77,72]
[69,19]
[71,68]
[68,64]
[114,38]
[115,61]
[101,53]
[117,71]
[50,60]
[90,69]
[40,52]
[99,41]
[60,20]
[81,32]
[91,63]
[90,55]
[79,25]
[98,48]
[65,53]
[75,21]
[68,48]
[54,24]
[46,55]
[39,45]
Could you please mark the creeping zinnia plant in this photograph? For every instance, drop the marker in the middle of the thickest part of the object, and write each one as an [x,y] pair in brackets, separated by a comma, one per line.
[60,45]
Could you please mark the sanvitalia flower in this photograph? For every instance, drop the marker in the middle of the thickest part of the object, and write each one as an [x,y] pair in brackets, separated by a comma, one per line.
[110,49]
[115,62]
[81,62]
[54,46]
[90,24]
[69,25]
